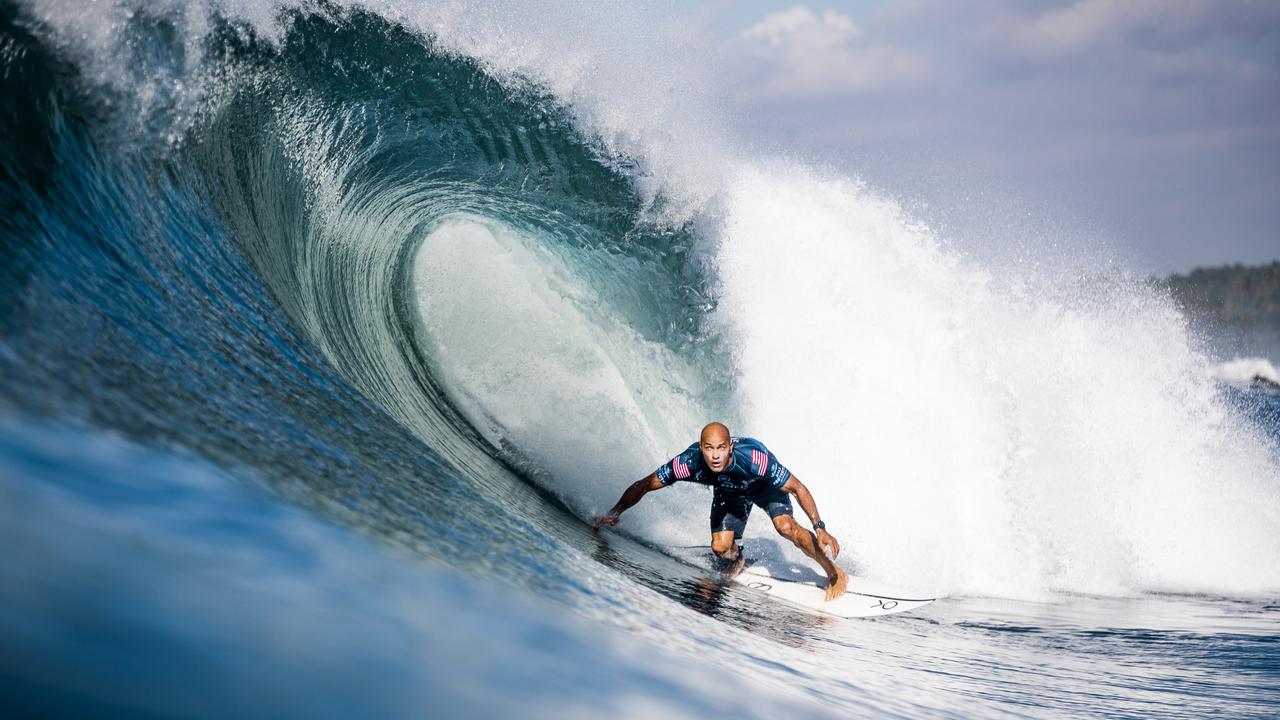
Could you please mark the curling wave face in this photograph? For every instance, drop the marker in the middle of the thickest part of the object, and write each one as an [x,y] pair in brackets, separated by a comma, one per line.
[379,175]
[329,181]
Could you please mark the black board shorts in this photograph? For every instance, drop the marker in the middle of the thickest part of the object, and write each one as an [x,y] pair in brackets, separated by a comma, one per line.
[729,511]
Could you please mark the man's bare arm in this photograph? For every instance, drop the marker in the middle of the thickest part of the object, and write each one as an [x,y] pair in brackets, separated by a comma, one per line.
[825,539]
[630,497]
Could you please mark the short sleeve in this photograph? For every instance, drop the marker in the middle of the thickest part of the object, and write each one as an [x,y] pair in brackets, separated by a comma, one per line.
[765,464]
[680,467]
[777,473]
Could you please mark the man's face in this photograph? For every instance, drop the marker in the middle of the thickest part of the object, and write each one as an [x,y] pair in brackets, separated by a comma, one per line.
[717,451]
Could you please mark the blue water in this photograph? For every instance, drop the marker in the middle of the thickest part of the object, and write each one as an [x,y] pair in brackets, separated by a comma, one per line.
[242,475]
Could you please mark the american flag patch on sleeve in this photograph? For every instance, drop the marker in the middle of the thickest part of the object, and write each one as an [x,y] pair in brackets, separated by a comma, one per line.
[679,468]
[759,462]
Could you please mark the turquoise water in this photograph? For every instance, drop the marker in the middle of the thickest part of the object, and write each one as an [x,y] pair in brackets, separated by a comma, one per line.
[312,371]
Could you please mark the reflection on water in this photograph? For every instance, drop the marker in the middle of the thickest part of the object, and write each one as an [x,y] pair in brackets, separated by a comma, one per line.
[708,593]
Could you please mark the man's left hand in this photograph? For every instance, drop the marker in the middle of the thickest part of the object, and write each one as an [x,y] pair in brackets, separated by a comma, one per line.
[828,543]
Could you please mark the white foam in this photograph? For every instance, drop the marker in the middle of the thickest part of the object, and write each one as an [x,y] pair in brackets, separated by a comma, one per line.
[619,67]
[974,435]
[1242,371]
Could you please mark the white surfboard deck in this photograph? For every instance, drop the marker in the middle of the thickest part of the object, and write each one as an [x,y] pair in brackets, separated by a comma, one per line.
[807,588]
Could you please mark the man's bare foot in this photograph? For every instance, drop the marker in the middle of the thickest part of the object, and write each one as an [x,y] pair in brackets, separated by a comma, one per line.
[736,566]
[837,585]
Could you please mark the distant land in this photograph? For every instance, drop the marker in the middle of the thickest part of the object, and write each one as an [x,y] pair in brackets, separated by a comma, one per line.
[1236,307]
[1230,294]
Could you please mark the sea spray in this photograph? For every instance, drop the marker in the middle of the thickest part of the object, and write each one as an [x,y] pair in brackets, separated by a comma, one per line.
[985,435]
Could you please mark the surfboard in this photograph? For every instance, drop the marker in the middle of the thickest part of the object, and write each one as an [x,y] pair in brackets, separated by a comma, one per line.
[807,588]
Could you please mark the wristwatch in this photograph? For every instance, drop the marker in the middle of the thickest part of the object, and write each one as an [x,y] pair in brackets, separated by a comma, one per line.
[819,525]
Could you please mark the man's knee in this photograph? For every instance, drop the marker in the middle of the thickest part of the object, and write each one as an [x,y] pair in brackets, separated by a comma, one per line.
[786,526]
[722,544]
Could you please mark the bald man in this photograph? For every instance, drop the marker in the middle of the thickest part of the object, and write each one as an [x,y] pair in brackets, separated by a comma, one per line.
[743,473]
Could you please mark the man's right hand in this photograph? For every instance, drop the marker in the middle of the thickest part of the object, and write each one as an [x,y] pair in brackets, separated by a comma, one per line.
[603,520]
[828,544]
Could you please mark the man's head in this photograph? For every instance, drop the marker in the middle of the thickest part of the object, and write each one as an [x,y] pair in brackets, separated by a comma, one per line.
[717,448]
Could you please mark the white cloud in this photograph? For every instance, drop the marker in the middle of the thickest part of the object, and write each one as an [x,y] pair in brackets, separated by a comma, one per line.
[800,25]
[802,53]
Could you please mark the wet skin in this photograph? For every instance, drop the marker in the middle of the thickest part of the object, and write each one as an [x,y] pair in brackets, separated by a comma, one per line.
[716,446]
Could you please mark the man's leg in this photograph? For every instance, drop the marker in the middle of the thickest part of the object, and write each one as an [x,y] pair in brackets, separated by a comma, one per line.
[729,553]
[778,506]
[728,519]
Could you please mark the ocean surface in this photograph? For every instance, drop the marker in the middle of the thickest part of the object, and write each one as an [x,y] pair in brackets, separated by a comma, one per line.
[326,329]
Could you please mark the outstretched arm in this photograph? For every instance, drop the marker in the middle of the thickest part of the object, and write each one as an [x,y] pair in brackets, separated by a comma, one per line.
[825,539]
[630,497]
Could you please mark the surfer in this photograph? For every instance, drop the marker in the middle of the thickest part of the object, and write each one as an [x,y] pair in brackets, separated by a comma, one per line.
[743,472]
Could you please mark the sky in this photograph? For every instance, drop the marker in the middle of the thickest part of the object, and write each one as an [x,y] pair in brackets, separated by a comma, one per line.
[1148,127]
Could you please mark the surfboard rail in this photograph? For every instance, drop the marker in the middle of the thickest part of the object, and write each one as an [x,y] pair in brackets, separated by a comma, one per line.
[864,598]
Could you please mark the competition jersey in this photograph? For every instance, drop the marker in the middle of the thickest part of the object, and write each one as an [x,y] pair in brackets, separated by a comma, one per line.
[754,469]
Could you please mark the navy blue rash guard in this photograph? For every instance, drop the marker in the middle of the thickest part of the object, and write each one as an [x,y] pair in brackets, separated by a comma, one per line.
[754,470]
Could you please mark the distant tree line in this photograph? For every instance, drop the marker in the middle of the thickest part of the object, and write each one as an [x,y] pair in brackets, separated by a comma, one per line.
[1239,295]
